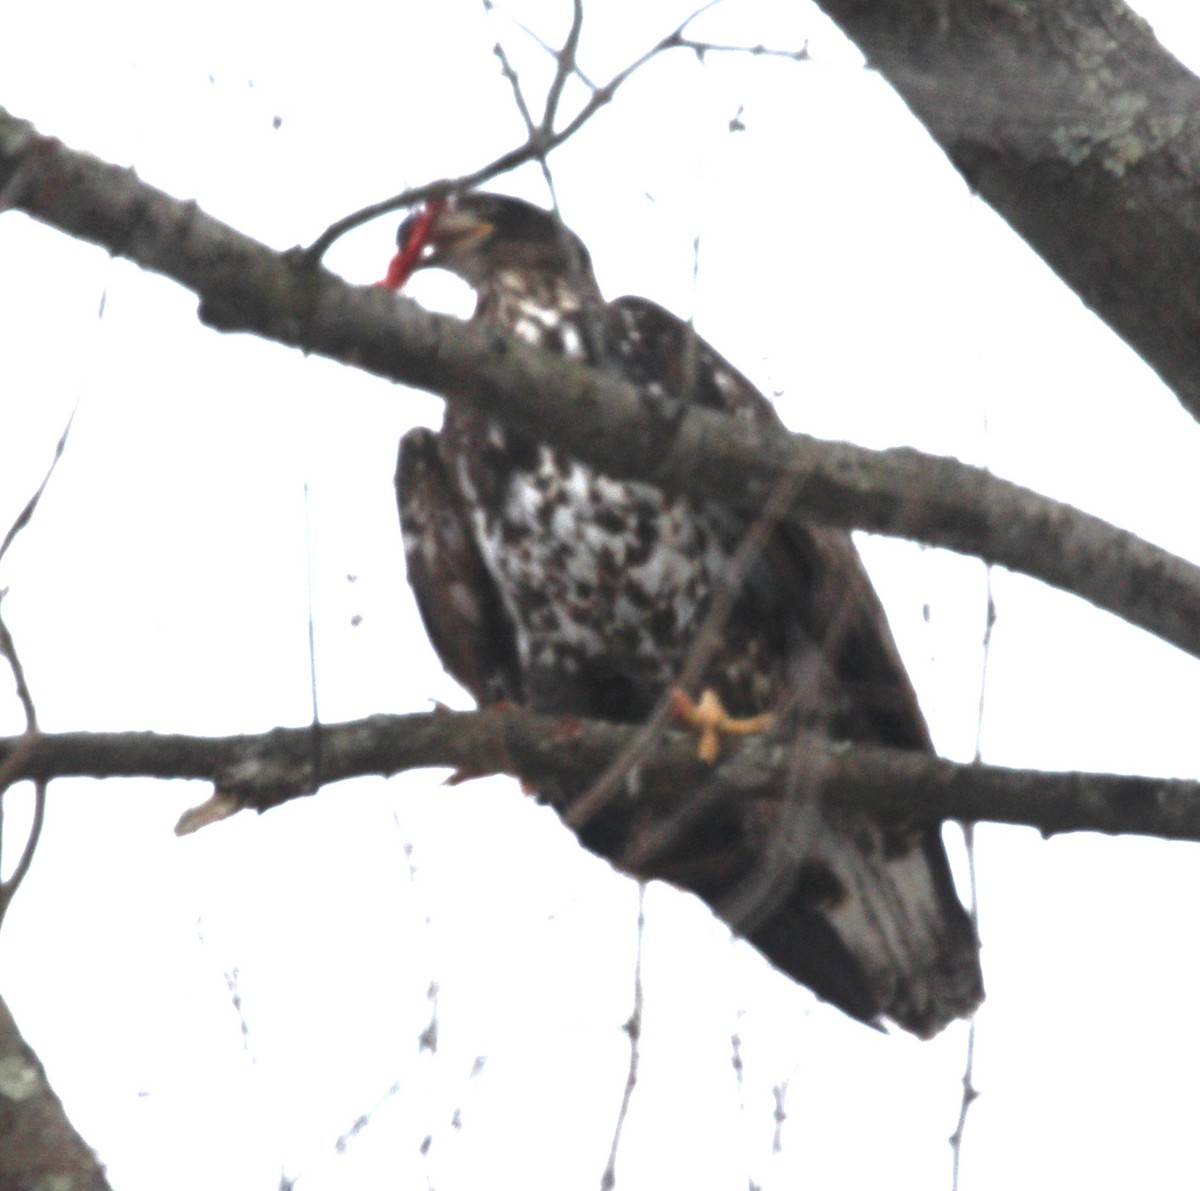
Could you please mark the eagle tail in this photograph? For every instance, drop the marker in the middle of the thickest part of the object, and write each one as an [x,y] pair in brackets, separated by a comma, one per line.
[878,931]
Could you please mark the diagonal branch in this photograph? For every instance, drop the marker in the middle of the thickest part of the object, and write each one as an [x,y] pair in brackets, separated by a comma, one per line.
[566,66]
[1070,119]
[41,1147]
[623,431]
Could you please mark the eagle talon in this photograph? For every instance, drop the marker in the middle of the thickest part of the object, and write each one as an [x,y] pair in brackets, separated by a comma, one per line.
[711,721]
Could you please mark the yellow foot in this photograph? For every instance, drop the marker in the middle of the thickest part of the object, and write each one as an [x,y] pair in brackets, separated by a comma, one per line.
[711,721]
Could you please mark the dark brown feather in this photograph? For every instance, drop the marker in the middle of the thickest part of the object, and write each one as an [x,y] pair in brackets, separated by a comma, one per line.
[456,596]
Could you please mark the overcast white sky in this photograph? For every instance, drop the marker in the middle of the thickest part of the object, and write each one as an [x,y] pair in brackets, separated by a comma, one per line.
[844,266]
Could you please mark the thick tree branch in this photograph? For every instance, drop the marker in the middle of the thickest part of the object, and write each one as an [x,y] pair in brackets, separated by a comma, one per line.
[259,772]
[40,1146]
[1071,120]
[245,286]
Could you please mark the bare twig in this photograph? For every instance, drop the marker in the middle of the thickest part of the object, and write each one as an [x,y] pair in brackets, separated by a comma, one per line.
[25,515]
[232,978]
[8,888]
[514,81]
[8,650]
[361,1121]
[739,1067]
[779,1115]
[969,1092]
[542,43]
[312,643]
[534,131]
[429,1035]
[25,746]
[969,1095]
[633,1029]
[541,140]
[700,48]
[232,984]
[566,66]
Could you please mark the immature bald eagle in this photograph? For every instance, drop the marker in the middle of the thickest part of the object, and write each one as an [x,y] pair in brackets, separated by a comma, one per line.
[560,589]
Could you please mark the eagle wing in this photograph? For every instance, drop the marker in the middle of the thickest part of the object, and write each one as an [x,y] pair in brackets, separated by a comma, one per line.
[820,569]
[872,921]
[456,595]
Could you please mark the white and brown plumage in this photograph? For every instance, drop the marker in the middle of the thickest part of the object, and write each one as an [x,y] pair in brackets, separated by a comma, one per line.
[545,583]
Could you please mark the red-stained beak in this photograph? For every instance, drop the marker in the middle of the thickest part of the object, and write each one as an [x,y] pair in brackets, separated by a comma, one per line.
[399,271]
[408,257]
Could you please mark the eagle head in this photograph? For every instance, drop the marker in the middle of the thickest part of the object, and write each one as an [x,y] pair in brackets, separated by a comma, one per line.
[478,236]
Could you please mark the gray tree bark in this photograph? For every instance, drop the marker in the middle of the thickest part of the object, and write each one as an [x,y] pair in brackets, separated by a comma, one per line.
[1070,119]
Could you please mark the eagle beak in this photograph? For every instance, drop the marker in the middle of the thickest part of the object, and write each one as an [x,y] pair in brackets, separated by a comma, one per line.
[432,236]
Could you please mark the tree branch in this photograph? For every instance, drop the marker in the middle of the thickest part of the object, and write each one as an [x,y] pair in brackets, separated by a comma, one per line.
[41,1147]
[1071,120]
[624,432]
[550,752]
